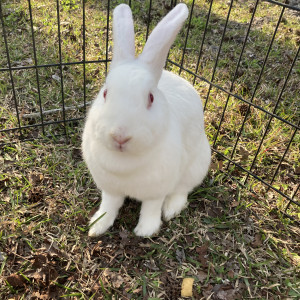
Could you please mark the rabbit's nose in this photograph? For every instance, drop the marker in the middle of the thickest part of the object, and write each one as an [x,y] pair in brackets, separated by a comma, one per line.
[121,140]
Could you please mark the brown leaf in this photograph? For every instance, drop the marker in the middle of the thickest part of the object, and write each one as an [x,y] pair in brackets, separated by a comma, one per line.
[243,108]
[38,295]
[124,235]
[39,261]
[138,290]
[202,251]
[37,275]
[230,274]
[80,220]
[36,178]
[35,195]
[257,241]
[76,154]
[218,165]
[244,153]
[44,274]
[202,276]
[53,274]
[93,211]
[226,294]
[214,212]
[208,291]
[189,239]
[114,278]
[51,294]
[15,280]
[234,203]
[96,287]
[53,249]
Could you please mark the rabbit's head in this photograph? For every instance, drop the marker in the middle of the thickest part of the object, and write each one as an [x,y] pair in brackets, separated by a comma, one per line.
[131,113]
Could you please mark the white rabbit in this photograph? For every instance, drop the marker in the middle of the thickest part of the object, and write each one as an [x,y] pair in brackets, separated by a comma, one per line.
[144,134]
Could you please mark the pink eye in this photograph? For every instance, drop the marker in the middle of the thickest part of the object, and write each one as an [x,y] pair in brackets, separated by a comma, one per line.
[104,94]
[150,100]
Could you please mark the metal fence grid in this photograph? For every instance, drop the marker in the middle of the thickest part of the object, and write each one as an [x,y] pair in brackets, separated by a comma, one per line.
[22,130]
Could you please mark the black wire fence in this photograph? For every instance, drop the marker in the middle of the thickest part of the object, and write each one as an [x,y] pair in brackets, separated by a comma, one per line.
[247,73]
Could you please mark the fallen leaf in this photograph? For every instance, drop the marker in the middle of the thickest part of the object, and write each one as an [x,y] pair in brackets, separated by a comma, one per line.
[97,249]
[243,108]
[36,178]
[80,220]
[151,265]
[124,235]
[138,290]
[218,165]
[214,212]
[51,294]
[96,287]
[230,274]
[257,241]
[114,278]
[202,251]
[56,77]
[93,211]
[76,154]
[39,261]
[53,249]
[244,153]
[180,255]
[190,239]
[35,195]
[25,62]
[15,280]
[37,275]
[226,294]
[40,296]
[234,203]
[297,170]
[45,274]
[208,291]
[202,276]
[53,291]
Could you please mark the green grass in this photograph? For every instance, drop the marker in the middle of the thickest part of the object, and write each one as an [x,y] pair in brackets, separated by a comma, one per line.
[234,243]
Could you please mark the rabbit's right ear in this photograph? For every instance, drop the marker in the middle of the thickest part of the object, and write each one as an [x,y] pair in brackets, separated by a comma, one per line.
[123,35]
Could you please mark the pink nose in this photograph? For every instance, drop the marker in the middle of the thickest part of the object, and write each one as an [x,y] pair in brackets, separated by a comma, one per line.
[120,139]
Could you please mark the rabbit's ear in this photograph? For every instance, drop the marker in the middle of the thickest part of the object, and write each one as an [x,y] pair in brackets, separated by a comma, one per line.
[162,37]
[123,34]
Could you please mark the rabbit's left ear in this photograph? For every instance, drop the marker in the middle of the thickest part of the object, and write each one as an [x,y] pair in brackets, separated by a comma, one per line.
[123,35]
[162,37]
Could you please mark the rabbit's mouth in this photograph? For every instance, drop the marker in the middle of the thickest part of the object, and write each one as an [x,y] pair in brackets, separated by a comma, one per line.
[119,147]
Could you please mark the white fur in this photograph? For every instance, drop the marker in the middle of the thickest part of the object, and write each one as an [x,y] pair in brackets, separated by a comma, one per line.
[167,153]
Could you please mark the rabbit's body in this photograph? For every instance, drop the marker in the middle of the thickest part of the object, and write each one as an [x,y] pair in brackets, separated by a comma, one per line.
[175,162]
[144,138]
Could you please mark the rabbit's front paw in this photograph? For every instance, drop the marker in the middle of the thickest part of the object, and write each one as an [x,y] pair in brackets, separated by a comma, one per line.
[147,228]
[173,205]
[100,226]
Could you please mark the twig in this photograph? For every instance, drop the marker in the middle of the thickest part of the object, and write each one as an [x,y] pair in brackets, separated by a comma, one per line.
[52,111]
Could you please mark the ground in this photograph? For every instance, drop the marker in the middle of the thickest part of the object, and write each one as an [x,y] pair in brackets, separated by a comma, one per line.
[235,243]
